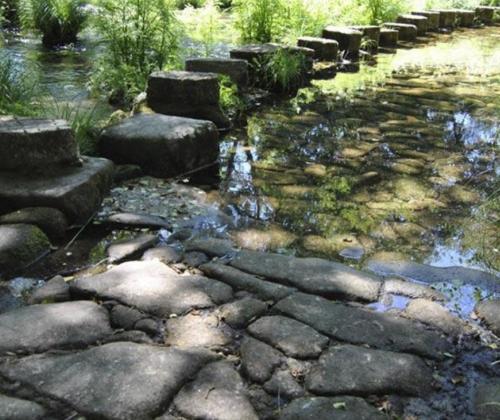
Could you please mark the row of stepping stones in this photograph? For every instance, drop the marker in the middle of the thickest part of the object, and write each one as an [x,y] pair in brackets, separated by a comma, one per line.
[244,334]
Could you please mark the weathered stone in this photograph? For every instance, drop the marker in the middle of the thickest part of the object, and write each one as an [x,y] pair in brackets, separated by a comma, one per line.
[32,143]
[357,370]
[284,385]
[164,254]
[389,38]
[410,289]
[324,408]
[55,290]
[20,246]
[130,248]
[59,325]
[115,381]
[195,259]
[235,69]
[485,14]
[447,18]
[349,39]
[239,280]
[253,53]
[355,253]
[419,21]
[293,338]
[324,49]
[432,18]
[465,18]
[489,311]
[163,145]
[217,393]
[154,288]
[240,313]
[406,31]
[312,275]
[487,401]
[258,360]
[76,191]
[136,220]
[186,94]
[434,314]
[213,247]
[125,317]
[370,33]
[126,172]
[51,221]
[357,325]
[17,409]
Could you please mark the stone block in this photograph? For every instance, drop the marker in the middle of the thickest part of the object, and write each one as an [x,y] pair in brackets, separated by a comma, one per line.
[485,14]
[447,18]
[432,18]
[389,38]
[349,39]
[406,31]
[370,33]
[419,21]
[235,69]
[465,18]
[324,49]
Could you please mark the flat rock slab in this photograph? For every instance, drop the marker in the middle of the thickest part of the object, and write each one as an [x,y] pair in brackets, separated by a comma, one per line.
[254,52]
[217,393]
[360,371]
[419,21]
[115,381]
[436,315]
[235,69]
[154,288]
[312,275]
[130,248]
[162,145]
[258,360]
[136,220]
[164,254]
[410,289]
[489,311]
[18,409]
[330,408]
[76,191]
[39,328]
[213,247]
[240,313]
[324,49]
[55,290]
[293,338]
[33,143]
[362,326]
[406,31]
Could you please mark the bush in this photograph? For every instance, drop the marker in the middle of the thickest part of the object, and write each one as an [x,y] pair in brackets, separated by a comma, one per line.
[8,13]
[259,20]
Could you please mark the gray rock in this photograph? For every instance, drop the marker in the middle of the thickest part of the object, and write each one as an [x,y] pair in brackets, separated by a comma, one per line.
[76,191]
[59,325]
[55,290]
[358,326]
[186,94]
[163,145]
[258,360]
[136,220]
[324,408]
[487,401]
[126,172]
[51,221]
[489,311]
[130,248]
[432,18]
[20,246]
[293,338]
[213,247]
[355,253]
[254,53]
[447,18]
[217,393]
[236,70]
[122,381]
[242,281]
[485,14]
[154,288]
[33,143]
[147,325]
[410,289]
[419,21]
[240,313]
[125,317]
[284,385]
[133,336]
[18,409]
[312,275]
[389,38]
[324,49]
[349,39]
[360,371]
[465,18]
[371,33]
[195,259]
[164,254]
[406,31]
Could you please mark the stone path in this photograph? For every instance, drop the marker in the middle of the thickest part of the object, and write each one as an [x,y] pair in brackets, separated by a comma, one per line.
[247,335]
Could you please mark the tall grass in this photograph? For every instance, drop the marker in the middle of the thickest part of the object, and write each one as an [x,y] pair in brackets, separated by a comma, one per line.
[259,20]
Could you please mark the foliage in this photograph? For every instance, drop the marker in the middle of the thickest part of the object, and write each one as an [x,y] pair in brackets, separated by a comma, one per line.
[230,101]
[8,13]
[258,20]
[379,11]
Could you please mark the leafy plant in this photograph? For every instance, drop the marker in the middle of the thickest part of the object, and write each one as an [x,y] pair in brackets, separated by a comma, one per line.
[285,70]
[259,20]
[230,101]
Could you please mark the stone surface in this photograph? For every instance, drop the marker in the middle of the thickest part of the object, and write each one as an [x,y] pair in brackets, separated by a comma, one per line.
[446,18]
[254,52]
[370,33]
[349,39]
[489,312]
[485,14]
[122,381]
[55,290]
[410,289]
[76,191]
[163,145]
[239,280]
[217,393]
[419,21]
[362,371]
[125,317]
[325,408]
[465,18]
[432,18]
[235,69]
[435,315]
[389,38]
[293,338]
[487,401]
[136,220]
[20,246]
[51,221]
[59,325]
[284,385]
[213,247]
[33,143]
[358,325]
[154,288]
[130,248]
[240,313]
[195,259]
[406,31]
[164,254]
[258,360]
[324,49]
[312,275]
[18,409]
[186,94]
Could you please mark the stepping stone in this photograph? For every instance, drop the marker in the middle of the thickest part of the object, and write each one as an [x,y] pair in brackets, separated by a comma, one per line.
[31,143]
[55,290]
[136,220]
[240,313]
[258,360]
[465,18]
[406,31]
[39,328]
[284,385]
[217,392]
[235,69]
[254,53]
[239,280]
[162,145]
[371,33]
[311,275]
[20,246]
[357,370]
[186,94]
[419,21]
[164,254]
[389,38]
[356,325]
[447,18]
[18,409]
[489,311]
[485,14]
[115,381]
[487,401]
[412,290]
[130,248]
[349,39]
[432,19]
[325,408]
[324,49]
[76,191]
[154,288]
[213,247]
[293,338]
